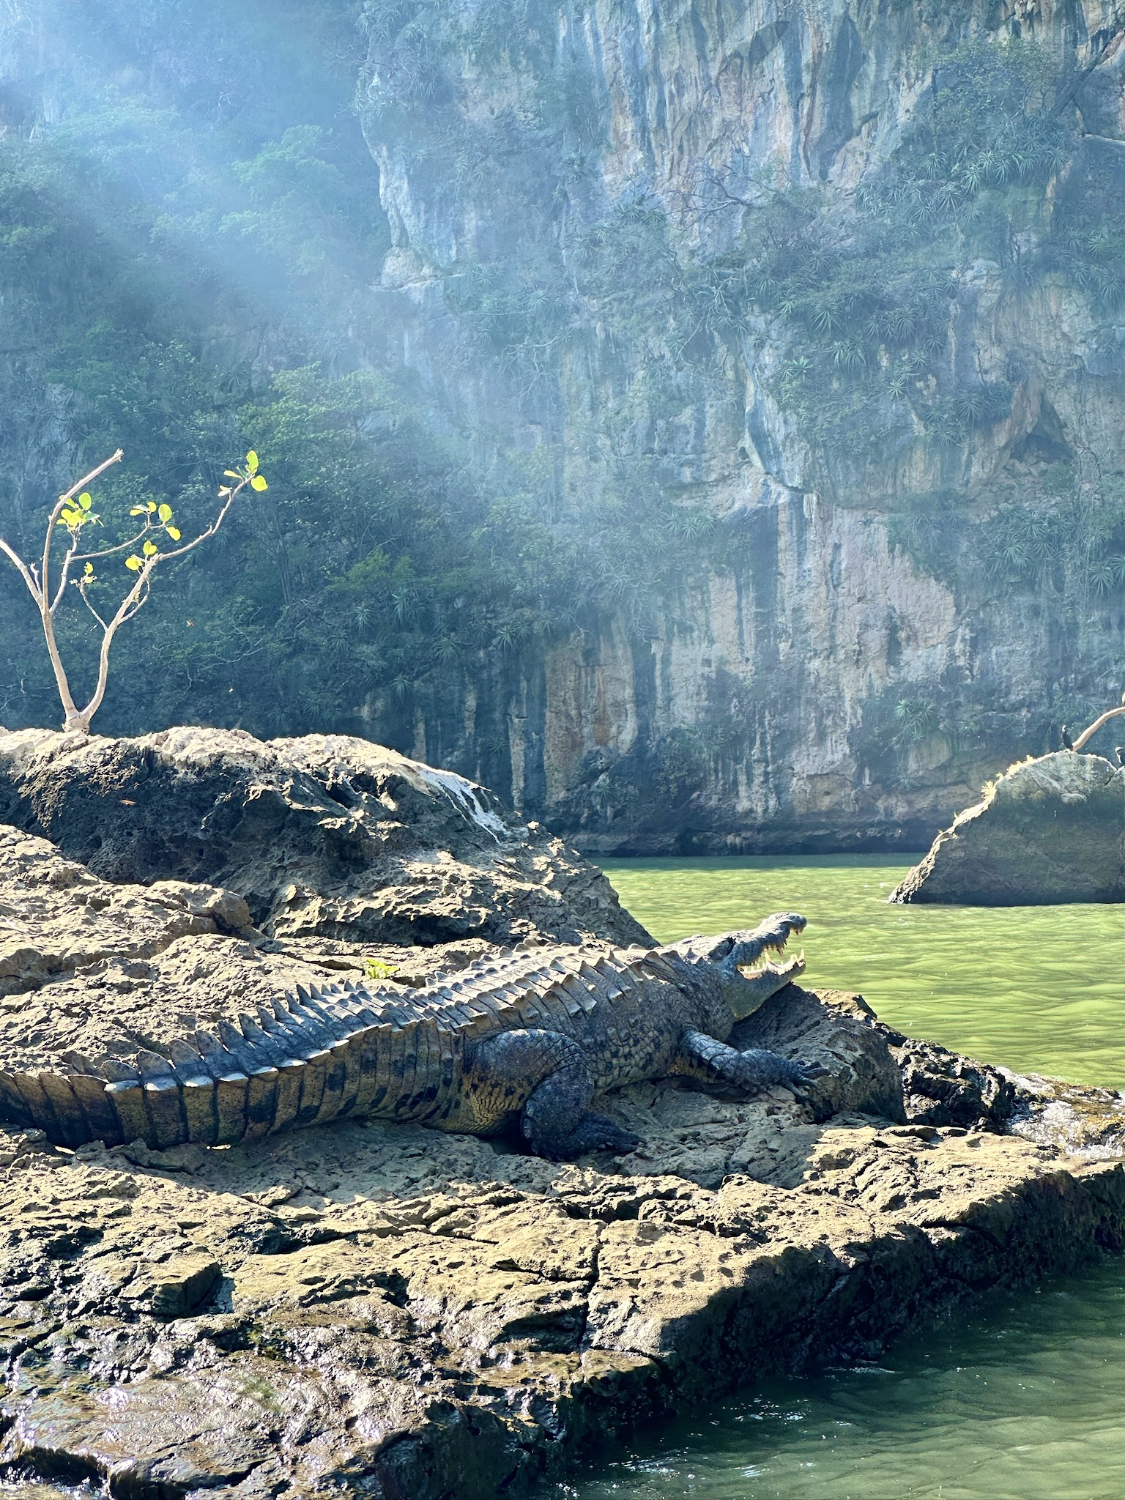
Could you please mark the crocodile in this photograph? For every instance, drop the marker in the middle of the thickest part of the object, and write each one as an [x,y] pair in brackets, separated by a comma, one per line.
[522,1040]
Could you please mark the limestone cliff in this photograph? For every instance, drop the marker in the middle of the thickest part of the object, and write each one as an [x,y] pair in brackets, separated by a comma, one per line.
[639,241]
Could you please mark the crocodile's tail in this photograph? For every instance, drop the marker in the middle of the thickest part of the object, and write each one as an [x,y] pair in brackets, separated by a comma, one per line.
[310,1057]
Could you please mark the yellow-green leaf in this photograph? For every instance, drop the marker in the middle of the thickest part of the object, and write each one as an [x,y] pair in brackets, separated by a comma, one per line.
[137,510]
[232,474]
[85,501]
[252,461]
[89,570]
[259,482]
[225,490]
[149,549]
[134,564]
[174,532]
[165,513]
[151,507]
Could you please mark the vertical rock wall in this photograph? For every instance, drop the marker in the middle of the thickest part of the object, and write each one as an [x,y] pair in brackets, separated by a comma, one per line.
[819,680]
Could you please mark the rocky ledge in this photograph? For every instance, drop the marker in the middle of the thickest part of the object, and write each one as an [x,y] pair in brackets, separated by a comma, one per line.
[1047,832]
[383,1309]
[323,837]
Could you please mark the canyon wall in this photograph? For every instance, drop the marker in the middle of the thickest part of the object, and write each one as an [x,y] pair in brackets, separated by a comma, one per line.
[867,631]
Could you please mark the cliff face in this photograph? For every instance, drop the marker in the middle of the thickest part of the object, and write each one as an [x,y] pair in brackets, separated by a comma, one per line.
[833,283]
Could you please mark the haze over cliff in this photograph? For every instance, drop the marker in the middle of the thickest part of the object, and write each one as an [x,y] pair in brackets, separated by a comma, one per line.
[708,426]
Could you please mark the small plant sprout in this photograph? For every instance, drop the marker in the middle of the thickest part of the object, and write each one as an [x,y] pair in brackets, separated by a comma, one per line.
[375,968]
[144,551]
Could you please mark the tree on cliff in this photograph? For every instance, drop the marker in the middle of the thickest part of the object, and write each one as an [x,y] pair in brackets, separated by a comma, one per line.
[74,513]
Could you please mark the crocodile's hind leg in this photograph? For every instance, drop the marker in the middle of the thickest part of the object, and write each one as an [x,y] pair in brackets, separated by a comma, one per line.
[710,1061]
[546,1073]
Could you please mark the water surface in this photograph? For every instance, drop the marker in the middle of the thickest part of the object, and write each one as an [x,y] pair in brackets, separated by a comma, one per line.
[1025,1401]
[1040,988]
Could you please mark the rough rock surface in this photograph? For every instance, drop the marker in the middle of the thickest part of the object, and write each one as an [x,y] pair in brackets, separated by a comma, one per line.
[324,837]
[1048,831]
[385,1308]
[88,963]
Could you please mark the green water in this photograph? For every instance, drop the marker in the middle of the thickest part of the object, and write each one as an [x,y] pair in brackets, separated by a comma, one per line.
[1023,1402]
[1026,1402]
[1040,988]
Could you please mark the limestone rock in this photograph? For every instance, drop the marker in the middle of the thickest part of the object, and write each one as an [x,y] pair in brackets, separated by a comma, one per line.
[58,920]
[1048,831]
[380,1306]
[941,1088]
[325,837]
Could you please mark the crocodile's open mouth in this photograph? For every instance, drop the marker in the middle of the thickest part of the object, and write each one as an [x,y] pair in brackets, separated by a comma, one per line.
[791,967]
[764,979]
[784,925]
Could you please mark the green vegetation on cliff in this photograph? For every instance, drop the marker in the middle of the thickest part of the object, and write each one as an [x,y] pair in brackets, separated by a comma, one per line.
[187,268]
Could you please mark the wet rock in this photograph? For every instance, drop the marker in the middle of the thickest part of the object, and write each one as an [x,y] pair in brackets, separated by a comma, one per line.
[1048,831]
[325,837]
[942,1088]
[1086,1123]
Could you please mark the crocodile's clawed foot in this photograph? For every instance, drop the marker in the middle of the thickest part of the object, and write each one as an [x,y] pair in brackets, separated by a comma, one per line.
[597,1133]
[802,1076]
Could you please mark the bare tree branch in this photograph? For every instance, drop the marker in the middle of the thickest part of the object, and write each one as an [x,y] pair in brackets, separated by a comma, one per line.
[1086,734]
[89,606]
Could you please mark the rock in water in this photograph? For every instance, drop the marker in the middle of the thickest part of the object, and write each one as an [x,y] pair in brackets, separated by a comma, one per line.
[327,836]
[1049,831]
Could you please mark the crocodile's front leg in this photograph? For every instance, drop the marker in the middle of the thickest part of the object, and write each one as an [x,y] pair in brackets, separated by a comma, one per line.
[709,1061]
[546,1073]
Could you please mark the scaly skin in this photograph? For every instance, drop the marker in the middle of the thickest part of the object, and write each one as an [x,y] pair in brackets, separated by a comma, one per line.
[525,1039]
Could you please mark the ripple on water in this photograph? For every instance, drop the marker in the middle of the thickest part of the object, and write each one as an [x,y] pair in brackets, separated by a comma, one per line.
[1025,1402]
